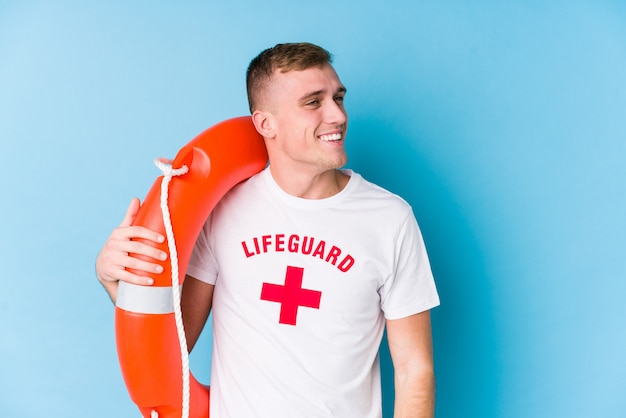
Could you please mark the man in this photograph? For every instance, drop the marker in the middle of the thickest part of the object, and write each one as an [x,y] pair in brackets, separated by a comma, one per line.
[304,265]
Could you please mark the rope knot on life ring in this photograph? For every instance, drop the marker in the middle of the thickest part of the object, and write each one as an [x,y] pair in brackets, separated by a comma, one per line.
[168,170]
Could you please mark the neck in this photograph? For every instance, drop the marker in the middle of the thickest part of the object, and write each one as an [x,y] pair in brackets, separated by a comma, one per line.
[307,186]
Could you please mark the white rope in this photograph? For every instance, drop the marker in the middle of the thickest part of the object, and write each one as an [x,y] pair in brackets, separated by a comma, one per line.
[168,173]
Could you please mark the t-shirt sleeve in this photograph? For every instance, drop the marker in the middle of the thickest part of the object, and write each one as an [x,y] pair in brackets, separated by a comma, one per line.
[410,289]
[202,264]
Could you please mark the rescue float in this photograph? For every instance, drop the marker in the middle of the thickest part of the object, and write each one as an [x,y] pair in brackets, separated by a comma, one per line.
[150,338]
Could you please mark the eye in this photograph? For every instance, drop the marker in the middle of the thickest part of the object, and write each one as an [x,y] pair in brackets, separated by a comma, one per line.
[314,102]
[339,99]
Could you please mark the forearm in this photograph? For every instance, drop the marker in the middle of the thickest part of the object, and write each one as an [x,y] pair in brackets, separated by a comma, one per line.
[410,344]
[415,394]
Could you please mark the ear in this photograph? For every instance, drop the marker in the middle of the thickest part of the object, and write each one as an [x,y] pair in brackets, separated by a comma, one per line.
[264,123]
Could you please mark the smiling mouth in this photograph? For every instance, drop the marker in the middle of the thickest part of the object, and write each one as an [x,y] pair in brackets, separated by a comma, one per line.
[330,137]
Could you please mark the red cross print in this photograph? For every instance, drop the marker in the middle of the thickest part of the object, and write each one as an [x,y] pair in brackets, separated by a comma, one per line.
[291,295]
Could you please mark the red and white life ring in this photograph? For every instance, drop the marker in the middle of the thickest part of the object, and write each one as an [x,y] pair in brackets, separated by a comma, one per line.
[148,341]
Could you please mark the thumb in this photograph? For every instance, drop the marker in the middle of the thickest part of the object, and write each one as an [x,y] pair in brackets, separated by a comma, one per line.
[131,212]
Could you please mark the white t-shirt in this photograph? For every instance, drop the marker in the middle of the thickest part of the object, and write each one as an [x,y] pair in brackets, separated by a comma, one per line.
[302,290]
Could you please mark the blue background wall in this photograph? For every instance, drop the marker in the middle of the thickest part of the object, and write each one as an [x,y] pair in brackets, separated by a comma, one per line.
[502,123]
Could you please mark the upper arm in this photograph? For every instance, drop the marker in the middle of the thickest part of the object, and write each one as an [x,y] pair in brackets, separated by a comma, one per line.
[196,300]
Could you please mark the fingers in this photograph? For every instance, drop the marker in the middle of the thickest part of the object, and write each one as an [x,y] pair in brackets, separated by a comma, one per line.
[126,242]
[115,257]
[114,260]
[111,272]
[127,233]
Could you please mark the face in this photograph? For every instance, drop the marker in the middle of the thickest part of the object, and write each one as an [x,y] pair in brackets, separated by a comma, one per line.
[308,120]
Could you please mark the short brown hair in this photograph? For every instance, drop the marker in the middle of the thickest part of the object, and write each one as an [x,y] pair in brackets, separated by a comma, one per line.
[286,57]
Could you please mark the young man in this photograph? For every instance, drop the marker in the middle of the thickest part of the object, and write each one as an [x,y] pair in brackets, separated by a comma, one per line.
[304,265]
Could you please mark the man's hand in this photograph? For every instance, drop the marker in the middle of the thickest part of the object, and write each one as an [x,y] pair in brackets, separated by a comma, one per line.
[114,259]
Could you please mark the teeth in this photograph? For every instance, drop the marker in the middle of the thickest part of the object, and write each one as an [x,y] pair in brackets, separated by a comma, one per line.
[330,137]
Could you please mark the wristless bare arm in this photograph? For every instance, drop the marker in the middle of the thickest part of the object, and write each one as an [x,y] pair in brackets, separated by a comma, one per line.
[410,345]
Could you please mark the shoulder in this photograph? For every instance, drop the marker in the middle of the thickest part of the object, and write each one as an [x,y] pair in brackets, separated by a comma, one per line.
[370,193]
[246,187]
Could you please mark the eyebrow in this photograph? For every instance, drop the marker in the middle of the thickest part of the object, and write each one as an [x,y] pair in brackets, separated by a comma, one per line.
[307,96]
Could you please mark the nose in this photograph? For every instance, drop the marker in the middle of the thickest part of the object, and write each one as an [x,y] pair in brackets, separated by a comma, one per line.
[335,113]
